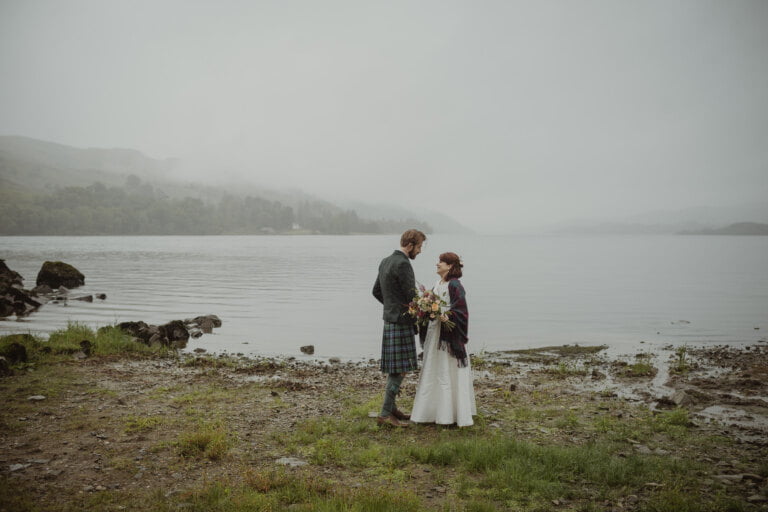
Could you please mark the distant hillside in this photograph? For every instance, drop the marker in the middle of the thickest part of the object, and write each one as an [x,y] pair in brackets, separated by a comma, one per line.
[36,164]
[51,189]
[440,222]
[739,228]
[699,220]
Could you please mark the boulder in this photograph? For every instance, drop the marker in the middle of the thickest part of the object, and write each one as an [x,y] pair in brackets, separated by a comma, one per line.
[14,300]
[215,320]
[86,346]
[139,330]
[5,367]
[174,332]
[14,353]
[681,398]
[12,277]
[57,273]
[308,349]
[43,289]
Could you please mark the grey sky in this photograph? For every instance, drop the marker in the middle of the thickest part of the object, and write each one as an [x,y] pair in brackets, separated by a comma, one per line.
[501,114]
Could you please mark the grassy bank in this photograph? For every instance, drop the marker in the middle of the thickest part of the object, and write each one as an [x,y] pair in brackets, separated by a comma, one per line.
[135,428]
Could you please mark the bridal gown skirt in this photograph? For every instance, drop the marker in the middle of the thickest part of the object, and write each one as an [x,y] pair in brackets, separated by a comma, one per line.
[444,394]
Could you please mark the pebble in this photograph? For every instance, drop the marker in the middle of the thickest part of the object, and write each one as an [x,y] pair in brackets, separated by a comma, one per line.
[36,398]
[291,461]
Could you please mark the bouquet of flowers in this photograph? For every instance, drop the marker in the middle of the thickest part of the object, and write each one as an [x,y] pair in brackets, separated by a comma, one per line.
[426,306]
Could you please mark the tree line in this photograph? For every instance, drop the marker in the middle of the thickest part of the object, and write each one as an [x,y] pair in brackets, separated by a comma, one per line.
[140,209]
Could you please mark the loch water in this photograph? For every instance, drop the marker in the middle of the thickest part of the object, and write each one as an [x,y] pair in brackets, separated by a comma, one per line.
[277,293]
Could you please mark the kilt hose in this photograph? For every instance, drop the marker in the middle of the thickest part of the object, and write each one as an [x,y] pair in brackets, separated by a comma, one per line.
[398,349]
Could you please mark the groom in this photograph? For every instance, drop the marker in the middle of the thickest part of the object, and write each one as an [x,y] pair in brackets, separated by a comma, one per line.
[395,286]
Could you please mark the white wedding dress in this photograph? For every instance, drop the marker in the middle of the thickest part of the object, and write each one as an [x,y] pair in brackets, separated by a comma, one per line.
[444,394]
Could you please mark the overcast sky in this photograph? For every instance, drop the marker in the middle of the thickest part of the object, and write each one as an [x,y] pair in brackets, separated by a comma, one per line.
[502,114]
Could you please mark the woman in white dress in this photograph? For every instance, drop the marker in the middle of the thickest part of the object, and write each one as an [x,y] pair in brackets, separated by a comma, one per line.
[445,394]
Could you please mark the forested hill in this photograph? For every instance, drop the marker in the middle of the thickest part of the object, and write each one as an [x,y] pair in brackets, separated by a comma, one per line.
[50,189]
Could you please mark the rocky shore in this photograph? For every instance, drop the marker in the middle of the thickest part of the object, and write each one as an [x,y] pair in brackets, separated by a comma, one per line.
[113,429]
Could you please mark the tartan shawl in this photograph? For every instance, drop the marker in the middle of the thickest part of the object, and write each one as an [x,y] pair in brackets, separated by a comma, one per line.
[456,339]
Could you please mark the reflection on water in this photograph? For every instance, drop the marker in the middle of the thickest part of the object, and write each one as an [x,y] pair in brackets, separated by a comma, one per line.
[276,293]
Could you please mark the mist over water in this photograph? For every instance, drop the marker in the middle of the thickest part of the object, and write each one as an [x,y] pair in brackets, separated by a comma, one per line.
[277,293]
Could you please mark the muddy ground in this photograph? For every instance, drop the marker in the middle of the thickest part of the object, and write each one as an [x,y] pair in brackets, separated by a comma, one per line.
[113,424]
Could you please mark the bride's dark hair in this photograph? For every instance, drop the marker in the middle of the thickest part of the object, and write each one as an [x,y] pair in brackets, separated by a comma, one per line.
[452,259]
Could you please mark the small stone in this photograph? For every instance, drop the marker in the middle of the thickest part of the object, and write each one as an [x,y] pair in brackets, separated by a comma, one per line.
[307,349]
[36,398]
[334,360]
[757,498]
[200,350]
[291,462]
[681,398]
[18,467]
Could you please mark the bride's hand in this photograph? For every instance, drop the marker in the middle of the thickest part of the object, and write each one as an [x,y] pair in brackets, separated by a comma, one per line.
[444,317]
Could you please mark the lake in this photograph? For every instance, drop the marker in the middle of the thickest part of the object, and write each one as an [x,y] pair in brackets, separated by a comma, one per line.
[277,293]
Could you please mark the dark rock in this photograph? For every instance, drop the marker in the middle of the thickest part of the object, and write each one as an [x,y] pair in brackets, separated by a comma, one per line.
[681,398]
[206,326]
[86,346]
[101,296]
[138,330]
[14,300]
[195,333]
[85,298]
[334,360]
[43,289]
[56,274]
[14,353]
[5,367]
[174,332]
[200,319]
[308,349]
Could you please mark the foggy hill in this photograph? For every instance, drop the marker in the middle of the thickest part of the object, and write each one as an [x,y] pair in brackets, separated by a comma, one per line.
[702,219]
[28,165]
[49,188]
[738,228]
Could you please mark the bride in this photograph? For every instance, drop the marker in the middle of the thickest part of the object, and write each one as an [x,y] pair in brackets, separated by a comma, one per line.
[445,394]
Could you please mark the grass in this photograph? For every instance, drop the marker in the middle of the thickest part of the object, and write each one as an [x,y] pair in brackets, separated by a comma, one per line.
[63,343]
[207,440]
[136,424]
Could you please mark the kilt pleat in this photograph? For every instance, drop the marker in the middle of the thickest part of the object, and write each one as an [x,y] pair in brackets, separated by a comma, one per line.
[398,349]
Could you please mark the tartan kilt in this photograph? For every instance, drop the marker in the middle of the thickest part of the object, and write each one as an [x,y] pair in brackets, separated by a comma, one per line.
[398,349]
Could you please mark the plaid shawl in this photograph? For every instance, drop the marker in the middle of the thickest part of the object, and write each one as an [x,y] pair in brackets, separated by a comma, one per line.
[456,339]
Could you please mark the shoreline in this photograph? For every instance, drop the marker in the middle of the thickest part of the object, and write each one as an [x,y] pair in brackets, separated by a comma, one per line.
[112,430]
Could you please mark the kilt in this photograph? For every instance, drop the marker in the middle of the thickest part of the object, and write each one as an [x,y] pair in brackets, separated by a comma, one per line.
[398,349]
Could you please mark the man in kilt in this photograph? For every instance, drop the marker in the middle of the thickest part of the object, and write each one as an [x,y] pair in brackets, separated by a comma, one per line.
[395,286]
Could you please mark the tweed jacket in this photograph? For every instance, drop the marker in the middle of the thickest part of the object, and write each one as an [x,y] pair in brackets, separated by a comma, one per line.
[395,286]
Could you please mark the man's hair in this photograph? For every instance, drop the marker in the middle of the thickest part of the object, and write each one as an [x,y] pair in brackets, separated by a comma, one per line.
[412,236]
